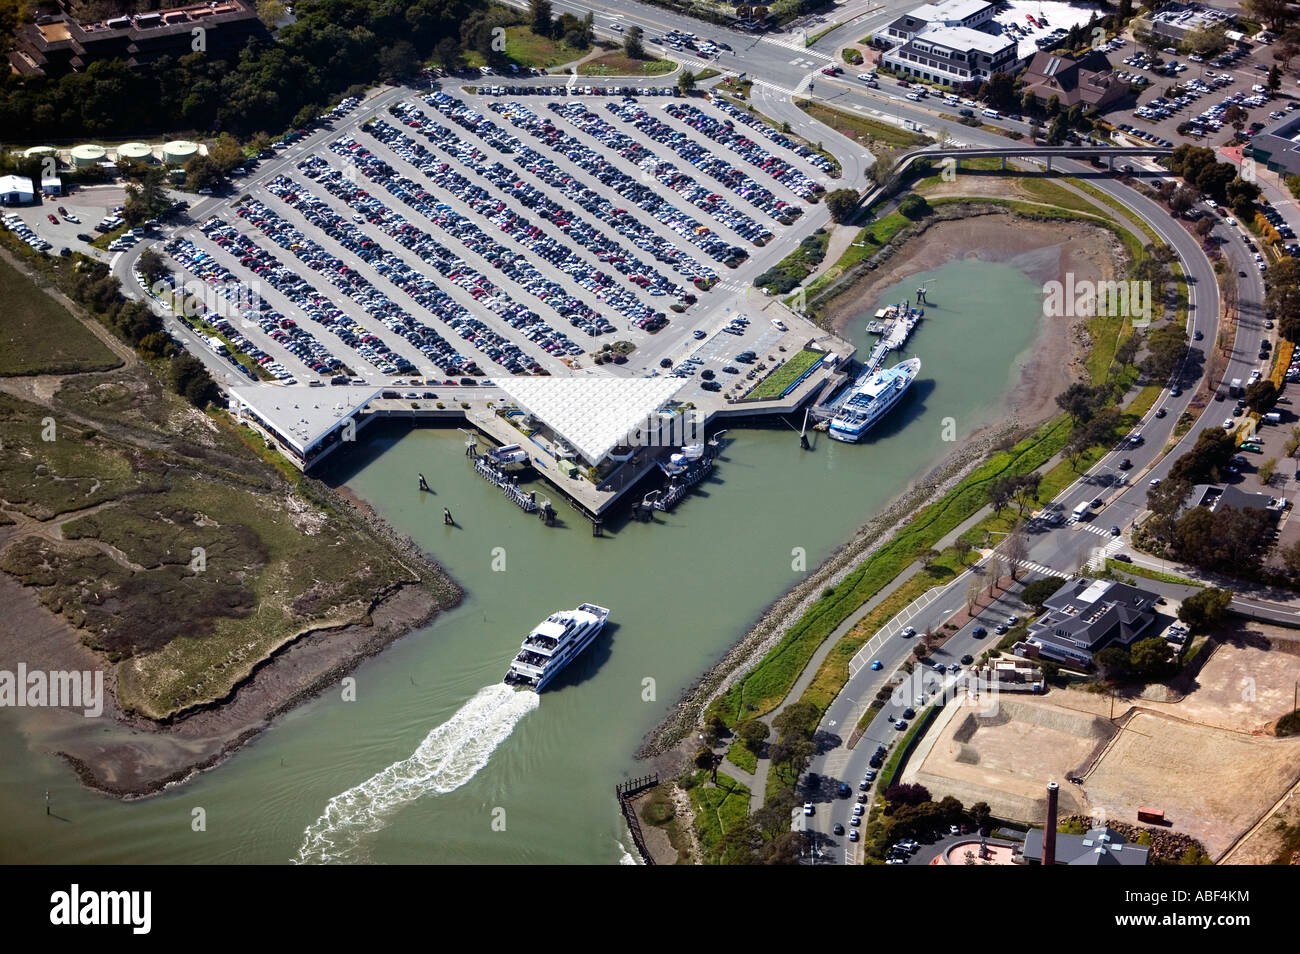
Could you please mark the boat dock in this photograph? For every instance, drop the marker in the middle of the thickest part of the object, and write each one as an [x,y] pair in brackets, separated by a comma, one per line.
[894,324]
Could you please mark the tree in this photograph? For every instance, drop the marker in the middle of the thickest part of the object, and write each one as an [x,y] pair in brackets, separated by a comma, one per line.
[973,593]
[906,794]
[539,16]
[705,759]
[398,60]
[999,91]
[1205,609]
[1151,658]
[928,557]
[1261,396]
[1113,663]
[190,379]
[146,198]
[1277,14]
[1037,592]
[1079,401]
[152,267]
[963,547]
[686,81]
[448,54]
[842,204]
[1205,41]
[1266,471]
[794,720]
[632,42]
[202,173]
[1166,347]
[1274,77]
[1290,555]
[589,27]
[1017,549]
[914,207]
[753,734]
[1214,447]
[981,815]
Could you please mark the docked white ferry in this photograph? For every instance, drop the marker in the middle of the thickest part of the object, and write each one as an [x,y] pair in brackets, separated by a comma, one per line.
[554,643]
[872,397]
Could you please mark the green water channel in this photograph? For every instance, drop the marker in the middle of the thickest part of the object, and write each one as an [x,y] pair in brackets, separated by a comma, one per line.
[430,764]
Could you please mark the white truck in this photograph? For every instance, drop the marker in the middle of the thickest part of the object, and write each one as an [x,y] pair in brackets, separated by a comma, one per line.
[1081,510]
[1234,388]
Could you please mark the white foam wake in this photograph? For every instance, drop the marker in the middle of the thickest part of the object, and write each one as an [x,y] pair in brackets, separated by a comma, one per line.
[449,756]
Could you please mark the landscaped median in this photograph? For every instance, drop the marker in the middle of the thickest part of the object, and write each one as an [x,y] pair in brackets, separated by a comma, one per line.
[783,377]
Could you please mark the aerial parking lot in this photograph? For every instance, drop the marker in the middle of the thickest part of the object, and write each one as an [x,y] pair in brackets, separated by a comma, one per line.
[446,234]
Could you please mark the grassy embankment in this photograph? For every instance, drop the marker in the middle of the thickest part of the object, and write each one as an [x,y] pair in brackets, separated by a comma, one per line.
[38,336]
[717,810]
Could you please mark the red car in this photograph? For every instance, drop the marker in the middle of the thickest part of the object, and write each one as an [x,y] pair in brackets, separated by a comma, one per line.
[53,220]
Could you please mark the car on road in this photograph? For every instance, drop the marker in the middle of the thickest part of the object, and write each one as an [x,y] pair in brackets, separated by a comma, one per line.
[1000,628]
[1229,424]
[877,665]
[698,333]
[853,834]
[1161,413]
[666,363]
[1123,558]
[1125,464]
[807,808]
[1175,391]
[1154,482]
[1114,531]
[900,724]
[1198,335]
[909,713]
[979,632]
[967,659]
[838,829]
[907,631]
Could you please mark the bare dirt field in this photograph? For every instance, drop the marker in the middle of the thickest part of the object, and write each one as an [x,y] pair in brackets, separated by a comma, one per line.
[1006,757]
[1211,783]
[1208,761]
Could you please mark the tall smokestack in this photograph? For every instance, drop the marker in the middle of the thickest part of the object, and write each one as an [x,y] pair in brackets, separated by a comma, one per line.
[1049,834]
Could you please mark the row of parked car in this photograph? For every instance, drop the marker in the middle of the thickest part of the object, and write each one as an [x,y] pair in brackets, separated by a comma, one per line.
[647,192]
[666,172]
[24,232]
[187,255]
[724,132]
[772,134]
[413,282]
[577,91]
[455,270]
[620,220]
[521,229]
[514,266]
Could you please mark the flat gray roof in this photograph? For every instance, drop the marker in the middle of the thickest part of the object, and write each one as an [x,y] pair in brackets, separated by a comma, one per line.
[302,414]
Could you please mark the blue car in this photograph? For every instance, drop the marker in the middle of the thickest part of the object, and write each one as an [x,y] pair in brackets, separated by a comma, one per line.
[876,664]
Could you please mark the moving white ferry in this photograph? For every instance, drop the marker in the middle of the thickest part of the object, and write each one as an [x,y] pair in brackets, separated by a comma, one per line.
[872,397]
[554,643]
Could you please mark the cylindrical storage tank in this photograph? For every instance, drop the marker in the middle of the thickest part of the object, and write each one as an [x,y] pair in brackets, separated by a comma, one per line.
[136,151]
[180,151]
[37,152]
[87,155]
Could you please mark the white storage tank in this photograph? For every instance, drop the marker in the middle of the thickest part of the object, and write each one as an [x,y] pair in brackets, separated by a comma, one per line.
[180,151]
[87,155]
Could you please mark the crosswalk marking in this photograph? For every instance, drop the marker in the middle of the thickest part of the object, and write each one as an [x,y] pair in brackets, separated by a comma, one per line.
[796,44]
[1036,567]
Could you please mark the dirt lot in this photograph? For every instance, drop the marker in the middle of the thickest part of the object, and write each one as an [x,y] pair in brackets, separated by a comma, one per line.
[1207,760]
[1211,783]
[1007,757]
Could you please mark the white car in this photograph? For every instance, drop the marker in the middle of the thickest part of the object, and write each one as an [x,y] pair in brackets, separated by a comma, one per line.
[618,28]
[779,324]
[807,808]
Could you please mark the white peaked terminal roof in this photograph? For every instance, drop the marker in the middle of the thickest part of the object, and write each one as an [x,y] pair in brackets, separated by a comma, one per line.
[595,415]
[302,415]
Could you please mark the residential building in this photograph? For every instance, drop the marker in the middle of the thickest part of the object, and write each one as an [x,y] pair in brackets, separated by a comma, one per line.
[57,43]
[940,43]
[1089,81]
[1172,21]
[1085,616]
